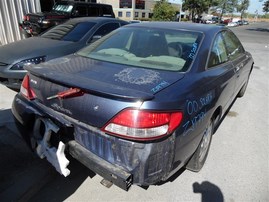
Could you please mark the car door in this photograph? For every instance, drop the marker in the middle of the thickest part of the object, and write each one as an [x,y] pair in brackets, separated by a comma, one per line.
[237,56]
[223,71]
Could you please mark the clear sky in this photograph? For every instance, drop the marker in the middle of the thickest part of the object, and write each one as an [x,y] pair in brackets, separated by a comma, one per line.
[254,5]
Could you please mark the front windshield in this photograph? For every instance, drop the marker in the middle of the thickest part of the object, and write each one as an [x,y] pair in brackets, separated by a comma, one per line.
[69,31]
[163,49]
[62,8]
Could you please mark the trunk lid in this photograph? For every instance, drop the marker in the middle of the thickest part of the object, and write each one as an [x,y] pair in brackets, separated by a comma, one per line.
[108,88]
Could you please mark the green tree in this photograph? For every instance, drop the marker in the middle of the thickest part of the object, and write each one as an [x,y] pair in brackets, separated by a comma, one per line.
[226,6]
[197,7]
[242,7]
[266,6]
[163,11]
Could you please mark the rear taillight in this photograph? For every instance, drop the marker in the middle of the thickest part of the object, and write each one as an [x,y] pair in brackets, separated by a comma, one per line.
[143,125]
[26,18]
[26,90]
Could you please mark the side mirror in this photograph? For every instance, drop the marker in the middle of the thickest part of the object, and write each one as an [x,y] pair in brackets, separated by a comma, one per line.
[95,38]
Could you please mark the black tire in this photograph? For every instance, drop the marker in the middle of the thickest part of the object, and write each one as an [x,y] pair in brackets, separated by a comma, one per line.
[199,157]
[243,89]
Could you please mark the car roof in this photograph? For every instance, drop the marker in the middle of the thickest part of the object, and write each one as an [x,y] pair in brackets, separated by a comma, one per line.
[93,19]
[81,2]
[205,28]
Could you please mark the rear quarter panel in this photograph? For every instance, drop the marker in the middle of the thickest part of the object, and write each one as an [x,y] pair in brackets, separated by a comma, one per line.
[245,64]
[204,93]
[198,95]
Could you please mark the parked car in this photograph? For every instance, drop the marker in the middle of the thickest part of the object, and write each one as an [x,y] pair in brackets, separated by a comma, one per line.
[209,21]
[240,22]
[35,23]
[245,22]
[137,105]
[227,21]
[215,19]
[232,24]
[61,40]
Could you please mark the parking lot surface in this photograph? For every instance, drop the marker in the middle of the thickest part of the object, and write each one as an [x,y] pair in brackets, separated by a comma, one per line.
[236,168]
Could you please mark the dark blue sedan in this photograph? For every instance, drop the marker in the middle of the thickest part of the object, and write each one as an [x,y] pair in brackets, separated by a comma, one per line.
[137,105]
[59,41]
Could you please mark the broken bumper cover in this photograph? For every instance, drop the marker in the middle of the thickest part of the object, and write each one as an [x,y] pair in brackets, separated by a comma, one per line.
[56,156]
[120,161]
[113,173]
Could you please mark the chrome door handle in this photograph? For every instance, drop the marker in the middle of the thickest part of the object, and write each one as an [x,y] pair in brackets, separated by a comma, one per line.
[237,68]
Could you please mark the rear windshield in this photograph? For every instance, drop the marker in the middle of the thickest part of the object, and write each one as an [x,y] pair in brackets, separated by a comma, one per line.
[69,32]
[163,49]
[62,8]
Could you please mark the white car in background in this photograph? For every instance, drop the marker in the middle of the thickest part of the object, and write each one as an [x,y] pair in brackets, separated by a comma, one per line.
[232,24]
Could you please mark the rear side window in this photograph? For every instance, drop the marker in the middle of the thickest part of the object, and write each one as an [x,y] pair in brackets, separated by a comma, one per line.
[69,32]
[93,11]
[218,53]
[233,45]
[107,11]
[81,11]
[62,8]
[79,31]
[105,29]
[58,32]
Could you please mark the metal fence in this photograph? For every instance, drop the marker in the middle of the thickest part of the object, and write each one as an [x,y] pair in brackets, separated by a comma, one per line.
[11,13]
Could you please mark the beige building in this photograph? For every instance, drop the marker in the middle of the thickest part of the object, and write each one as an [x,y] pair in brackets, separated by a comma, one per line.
[131,9]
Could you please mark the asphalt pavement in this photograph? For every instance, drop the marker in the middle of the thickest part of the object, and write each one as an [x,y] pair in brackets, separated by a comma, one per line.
[237,168]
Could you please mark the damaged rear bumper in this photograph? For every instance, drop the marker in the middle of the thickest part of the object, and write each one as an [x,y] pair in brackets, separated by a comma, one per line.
[41,142]
[110,172]
[119,161]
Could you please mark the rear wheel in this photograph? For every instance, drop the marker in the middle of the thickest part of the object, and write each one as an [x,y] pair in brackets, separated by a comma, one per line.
[199,157]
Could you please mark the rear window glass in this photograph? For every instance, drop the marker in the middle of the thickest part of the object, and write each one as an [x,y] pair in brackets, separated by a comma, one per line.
[107,11]
[93,11]
[63,8]
[171,50]
[69,32]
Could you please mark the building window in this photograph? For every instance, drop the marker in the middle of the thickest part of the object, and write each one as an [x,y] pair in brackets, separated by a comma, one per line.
[140,4]
[143,15]
[136,14]
[125,3]
[128,14]
[120,14]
